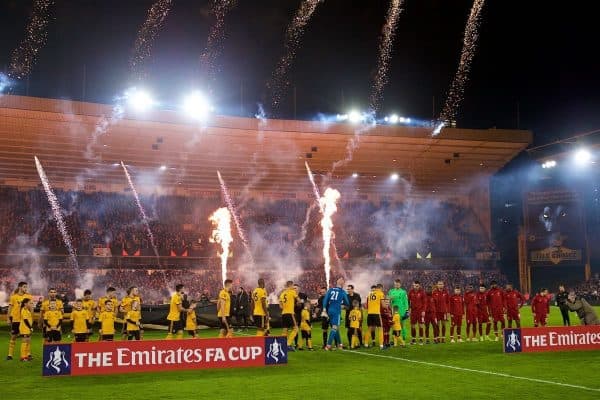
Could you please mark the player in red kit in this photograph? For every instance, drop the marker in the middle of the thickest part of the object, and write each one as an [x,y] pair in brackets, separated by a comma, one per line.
[457,310]
[483,315]
[416,299]
[514,301]
[441,298]
[540,305]
[386,322]
[431,317]
[471,312]
[497,305]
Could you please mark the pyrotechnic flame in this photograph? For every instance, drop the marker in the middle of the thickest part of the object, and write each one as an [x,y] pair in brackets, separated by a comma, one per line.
[329,207]
[236,218]
[148,34]
[457,88]
[220,8]
[57,213]
[221,234]
[24,56]
[385,52]
[142,212]
[293,37]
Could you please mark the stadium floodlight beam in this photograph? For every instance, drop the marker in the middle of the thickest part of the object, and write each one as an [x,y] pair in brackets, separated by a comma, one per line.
[197,106]
[549,164]
[582,156]
[139,99]
[355,117]
[394,177]
[393,119]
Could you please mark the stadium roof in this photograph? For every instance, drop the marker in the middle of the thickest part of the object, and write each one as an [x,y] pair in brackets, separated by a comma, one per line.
[266,155]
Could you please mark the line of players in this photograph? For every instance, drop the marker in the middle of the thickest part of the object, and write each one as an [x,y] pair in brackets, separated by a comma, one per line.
[85,313]
[425,309]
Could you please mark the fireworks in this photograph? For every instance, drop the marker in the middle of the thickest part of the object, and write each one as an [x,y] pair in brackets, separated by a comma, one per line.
[221,234]
[57,213]
[215,38]
[329,207]
[312,182]
[236,218]
[147,35]
[457,88]
[293,37]
[142,212]
[24,56]
[385,52]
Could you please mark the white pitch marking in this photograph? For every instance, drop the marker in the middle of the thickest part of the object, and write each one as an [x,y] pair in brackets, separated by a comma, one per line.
[477,371]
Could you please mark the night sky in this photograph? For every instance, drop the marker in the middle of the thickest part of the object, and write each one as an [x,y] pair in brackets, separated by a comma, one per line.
[542,59]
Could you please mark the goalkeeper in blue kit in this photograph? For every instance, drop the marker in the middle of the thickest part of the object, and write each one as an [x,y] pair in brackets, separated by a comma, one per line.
[332,307]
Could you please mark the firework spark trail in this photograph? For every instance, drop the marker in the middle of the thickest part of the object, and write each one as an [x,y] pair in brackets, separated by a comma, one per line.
[147,35]
[220,9]
[293,36]
[221,234]
[457,88]
[314,185]
[142,212]
[329,207]
[385,52]
[236,218]
[57,213]
[24,56]
[304,228]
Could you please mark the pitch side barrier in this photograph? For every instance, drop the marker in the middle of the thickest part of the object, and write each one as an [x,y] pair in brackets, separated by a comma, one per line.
[99,358]
[560,338]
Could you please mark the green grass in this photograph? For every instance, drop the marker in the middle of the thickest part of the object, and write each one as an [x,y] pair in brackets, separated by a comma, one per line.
[334,375]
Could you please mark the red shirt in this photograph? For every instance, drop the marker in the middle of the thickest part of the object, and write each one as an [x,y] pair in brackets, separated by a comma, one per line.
[457,305]
[482,303]
[540,305]
[471,302]
[514,300]
[430,308]
[416,298]
[386,317]
[495,298]
[441,298]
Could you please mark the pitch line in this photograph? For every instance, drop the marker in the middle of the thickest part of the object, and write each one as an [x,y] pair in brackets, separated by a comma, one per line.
[523,378]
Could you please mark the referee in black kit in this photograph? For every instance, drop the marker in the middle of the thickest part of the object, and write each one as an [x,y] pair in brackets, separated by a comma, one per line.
[298,308]
[561,302]
[352,296]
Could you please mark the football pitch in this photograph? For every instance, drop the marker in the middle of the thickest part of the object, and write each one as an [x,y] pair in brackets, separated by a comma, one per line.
[444,371]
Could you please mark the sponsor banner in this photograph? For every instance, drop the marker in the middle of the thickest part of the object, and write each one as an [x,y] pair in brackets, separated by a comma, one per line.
[560,338]
[97,358]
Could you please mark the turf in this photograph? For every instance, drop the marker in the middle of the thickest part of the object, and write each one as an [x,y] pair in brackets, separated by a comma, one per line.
[411,373]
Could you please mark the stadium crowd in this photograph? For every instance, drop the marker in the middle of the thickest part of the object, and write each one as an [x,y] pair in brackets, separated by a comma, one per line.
[181,228]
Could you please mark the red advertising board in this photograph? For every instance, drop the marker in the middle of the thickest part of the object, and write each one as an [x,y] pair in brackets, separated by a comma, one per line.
[559,338]
[97,358]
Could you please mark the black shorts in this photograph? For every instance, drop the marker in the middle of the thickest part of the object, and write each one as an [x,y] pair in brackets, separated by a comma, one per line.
[175,326]
[81,337]
[107,338]
[324,323]
[260,321]
[133,335]
[374,320]
[306,335]
[223,325]
[191,332]
[53,336]
[14,328]
[288,321]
